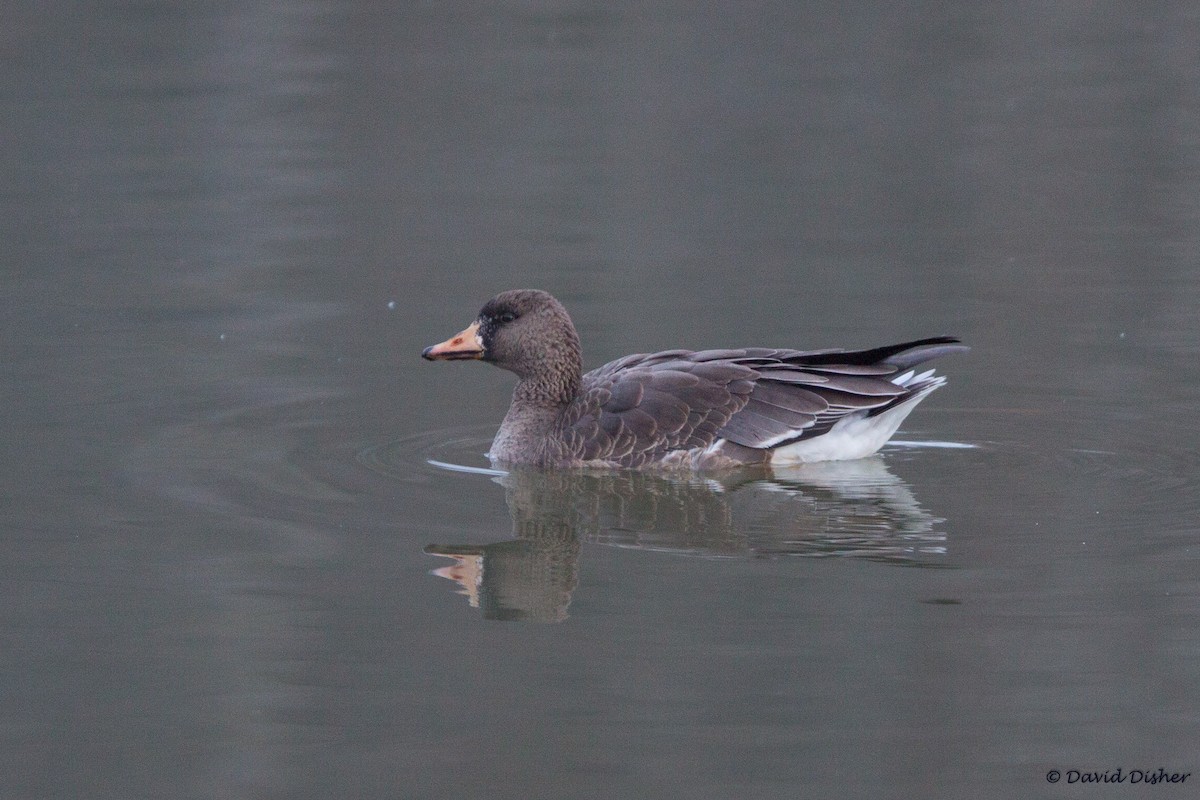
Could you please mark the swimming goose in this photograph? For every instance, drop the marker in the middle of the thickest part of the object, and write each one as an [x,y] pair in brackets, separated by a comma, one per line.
[709,409]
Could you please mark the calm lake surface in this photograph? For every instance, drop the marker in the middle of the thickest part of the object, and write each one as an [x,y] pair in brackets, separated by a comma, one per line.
[250,550]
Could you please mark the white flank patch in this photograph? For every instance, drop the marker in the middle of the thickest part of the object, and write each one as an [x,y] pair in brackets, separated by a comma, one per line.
[783,437]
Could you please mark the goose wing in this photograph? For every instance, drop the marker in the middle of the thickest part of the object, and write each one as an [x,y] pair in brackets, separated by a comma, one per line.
[636,409]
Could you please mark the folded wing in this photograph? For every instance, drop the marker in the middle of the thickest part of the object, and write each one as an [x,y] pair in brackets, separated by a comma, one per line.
[640,407]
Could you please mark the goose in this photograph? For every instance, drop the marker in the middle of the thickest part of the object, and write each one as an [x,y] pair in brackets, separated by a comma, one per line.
[684,409]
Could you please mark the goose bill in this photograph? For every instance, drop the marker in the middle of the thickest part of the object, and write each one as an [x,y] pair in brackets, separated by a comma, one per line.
[464,345]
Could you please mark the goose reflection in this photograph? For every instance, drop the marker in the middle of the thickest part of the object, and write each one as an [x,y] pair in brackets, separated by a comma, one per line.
[855,509]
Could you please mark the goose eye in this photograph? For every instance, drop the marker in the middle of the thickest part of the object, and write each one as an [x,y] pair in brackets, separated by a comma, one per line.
[506,317]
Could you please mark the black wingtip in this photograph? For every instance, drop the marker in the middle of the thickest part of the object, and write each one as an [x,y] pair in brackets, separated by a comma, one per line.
[898,354]
[923,350]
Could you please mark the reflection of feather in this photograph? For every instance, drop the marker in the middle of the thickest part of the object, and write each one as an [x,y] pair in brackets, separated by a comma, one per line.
[849,509]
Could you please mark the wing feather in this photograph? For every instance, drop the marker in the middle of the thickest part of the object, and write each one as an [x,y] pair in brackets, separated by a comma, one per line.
[640,407]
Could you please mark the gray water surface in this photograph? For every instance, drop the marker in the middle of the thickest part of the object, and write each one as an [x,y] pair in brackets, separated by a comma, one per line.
[249,550]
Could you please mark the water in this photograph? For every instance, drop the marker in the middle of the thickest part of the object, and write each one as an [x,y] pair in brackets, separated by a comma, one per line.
[251,549]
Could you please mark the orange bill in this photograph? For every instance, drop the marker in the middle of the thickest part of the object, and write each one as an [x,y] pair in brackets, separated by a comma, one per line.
[466,344]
